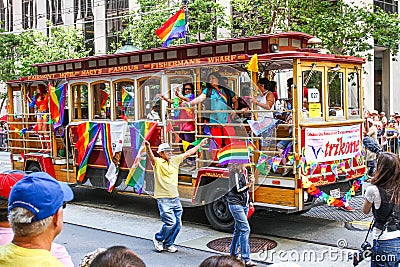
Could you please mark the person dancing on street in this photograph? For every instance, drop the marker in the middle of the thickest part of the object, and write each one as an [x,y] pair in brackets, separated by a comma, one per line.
[166,170]
[383,197]
[239,202]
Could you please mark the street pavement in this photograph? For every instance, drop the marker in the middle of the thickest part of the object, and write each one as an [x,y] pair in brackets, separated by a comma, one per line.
[88,228]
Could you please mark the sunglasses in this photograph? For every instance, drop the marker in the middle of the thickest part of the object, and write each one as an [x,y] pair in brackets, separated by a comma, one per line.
[188,88]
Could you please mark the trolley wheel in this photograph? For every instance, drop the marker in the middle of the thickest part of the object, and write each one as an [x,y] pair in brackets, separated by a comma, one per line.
[217,211]
[34,167]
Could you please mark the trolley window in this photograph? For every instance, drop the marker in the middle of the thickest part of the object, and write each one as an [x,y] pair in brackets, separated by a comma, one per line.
[101,100]
[336,92]
[80,102]
[312,94]
[148,89]
[125,96]
[354,94]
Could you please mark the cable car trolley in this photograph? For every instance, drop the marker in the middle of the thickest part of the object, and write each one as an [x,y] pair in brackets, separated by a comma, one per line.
[297,112]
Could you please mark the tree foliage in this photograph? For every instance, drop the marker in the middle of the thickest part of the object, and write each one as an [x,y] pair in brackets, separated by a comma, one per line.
[205,17]
[343,28]
[20,51]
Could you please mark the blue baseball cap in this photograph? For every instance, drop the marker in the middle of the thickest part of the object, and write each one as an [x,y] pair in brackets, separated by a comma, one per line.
[41,194]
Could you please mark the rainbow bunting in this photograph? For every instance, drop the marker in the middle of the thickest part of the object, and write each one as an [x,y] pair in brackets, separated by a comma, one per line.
[237,152]
[173,28]
[57,104]
[87,132]
[275,163]
[334,170]
[323,169]
[140,131]
[127,98]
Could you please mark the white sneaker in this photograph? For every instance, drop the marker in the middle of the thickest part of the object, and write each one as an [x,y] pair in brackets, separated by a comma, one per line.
[171,249]
[158,245]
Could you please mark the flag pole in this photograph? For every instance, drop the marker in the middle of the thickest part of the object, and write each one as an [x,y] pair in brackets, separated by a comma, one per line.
[185,4]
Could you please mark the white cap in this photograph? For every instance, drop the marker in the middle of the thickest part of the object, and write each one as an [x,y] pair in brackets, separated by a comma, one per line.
[164,147]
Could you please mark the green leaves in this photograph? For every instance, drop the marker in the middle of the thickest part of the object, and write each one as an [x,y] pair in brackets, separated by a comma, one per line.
[20,51]
[343,28]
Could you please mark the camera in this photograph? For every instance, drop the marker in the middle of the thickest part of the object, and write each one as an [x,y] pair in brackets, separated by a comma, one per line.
[364,252]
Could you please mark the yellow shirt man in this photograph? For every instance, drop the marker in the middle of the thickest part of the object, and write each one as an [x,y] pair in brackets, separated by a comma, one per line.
[166,177]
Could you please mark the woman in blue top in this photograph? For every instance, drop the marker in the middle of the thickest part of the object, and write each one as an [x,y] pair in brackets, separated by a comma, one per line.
[219,99]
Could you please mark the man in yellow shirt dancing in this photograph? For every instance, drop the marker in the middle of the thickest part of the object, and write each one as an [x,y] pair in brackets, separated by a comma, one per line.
[166,170]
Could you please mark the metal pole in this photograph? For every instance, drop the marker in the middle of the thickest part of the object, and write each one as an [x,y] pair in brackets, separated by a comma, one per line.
[184,2]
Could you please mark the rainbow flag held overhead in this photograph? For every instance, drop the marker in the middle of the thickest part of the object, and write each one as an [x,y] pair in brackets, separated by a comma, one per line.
[237,152]
[173,28]
[127,98]
[140,131]
[57,104]
[87,132]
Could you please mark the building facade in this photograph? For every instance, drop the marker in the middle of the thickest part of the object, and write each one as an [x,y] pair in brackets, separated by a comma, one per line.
[100,20]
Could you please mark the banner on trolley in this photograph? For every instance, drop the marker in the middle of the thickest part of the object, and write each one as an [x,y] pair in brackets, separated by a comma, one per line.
[332,143]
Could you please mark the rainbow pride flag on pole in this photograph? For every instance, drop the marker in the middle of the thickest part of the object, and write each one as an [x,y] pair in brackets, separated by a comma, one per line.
[237,152]
[173,28]
[140,131]
[57,104]
[87,132]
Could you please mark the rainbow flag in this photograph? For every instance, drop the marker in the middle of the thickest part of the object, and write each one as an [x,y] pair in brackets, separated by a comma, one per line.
[140,131]
[57,104]
[106,142]
[173,28]
[127,98]
[112,134]
[87,132]
[237,152]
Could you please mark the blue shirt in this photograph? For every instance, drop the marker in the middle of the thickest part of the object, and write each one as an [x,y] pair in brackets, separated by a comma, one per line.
[218,103]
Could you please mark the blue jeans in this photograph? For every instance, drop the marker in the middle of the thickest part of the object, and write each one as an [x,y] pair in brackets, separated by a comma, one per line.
[170,214]
[241,232]
[387,253]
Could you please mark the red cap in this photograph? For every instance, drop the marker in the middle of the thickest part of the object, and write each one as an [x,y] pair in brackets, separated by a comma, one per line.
[8,180]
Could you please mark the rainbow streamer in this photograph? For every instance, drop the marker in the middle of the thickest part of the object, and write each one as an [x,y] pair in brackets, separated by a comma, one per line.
[275,163]
[237,152]
[173,28]
[323,169]
[87,132]
[291,159]
[304,166]
[313,166]
[358,158]
[58,96]
[350,161]
[334,170]
[107,145]
[342,166]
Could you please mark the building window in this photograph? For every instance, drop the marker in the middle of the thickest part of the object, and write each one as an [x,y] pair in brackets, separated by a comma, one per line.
[54,11]
[83,9]
[390,6]
[29,12]
[116,10]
